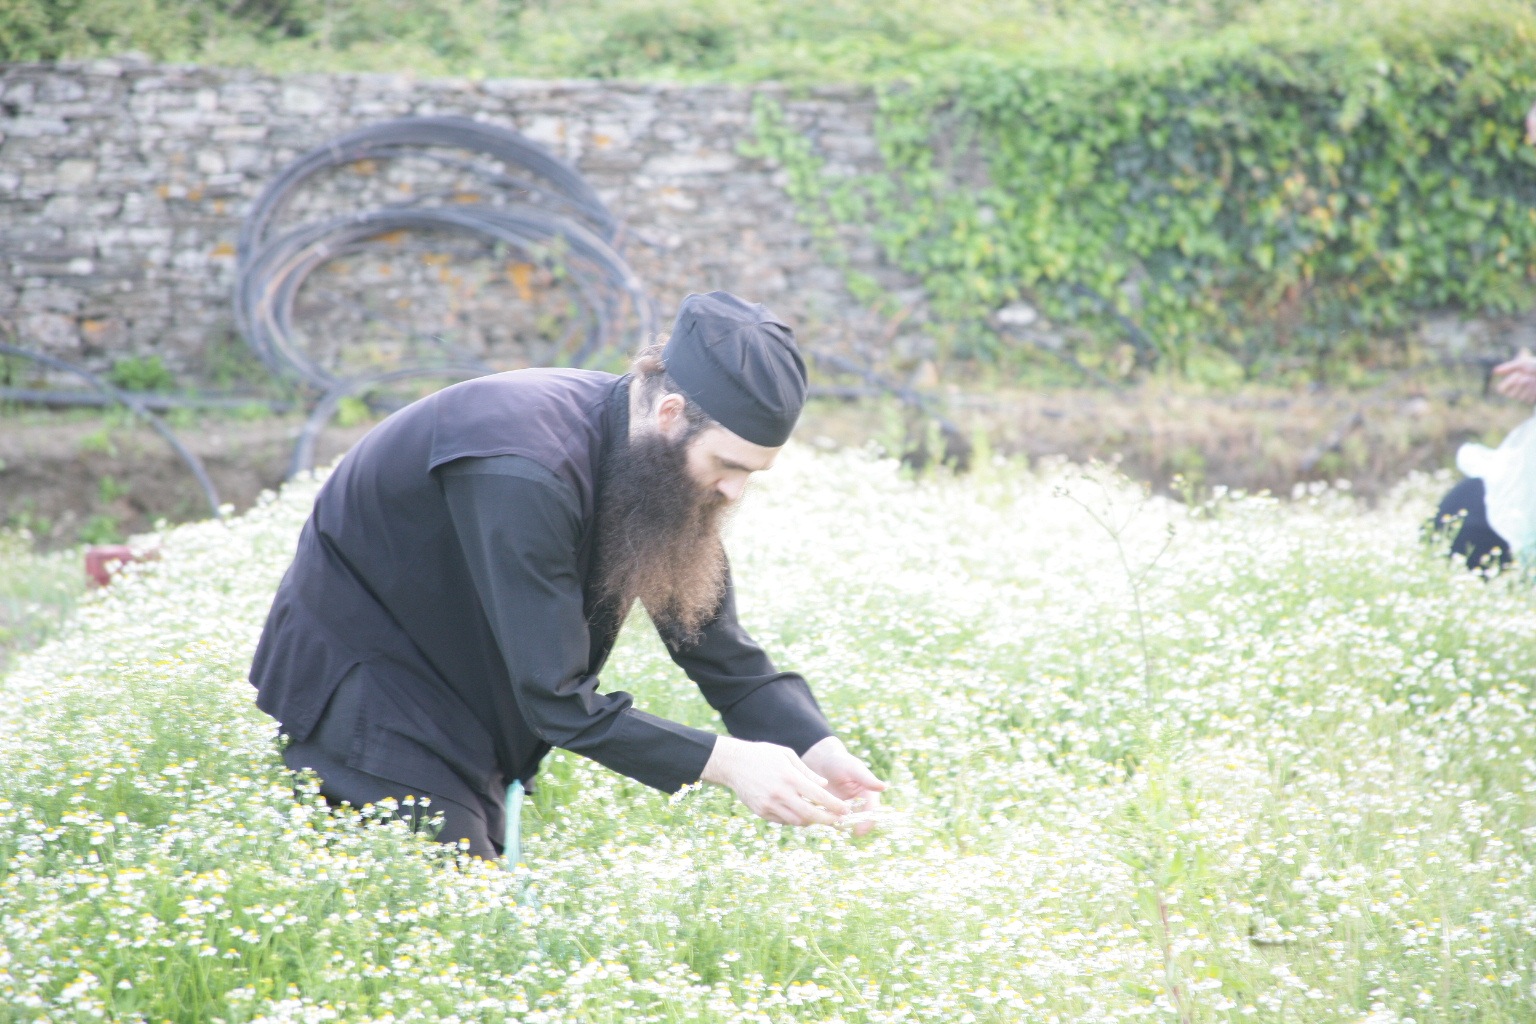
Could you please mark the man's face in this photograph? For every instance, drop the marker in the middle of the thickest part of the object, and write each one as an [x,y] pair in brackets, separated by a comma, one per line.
[721,462]
[662,502]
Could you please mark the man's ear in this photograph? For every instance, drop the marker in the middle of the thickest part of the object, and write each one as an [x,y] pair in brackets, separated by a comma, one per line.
[670,414]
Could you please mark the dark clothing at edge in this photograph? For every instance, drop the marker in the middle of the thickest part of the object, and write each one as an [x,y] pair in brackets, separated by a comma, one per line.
[1475,540]
[333,747]
[447,567]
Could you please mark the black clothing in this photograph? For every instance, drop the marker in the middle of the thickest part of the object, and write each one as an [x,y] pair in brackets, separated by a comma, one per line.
[339,740]
[1475,540]
[448,561]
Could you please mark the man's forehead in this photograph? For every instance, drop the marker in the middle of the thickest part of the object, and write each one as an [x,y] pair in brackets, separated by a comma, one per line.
[732,451]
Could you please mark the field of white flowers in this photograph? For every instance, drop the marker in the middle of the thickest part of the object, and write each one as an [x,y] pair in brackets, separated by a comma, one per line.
[1264,761]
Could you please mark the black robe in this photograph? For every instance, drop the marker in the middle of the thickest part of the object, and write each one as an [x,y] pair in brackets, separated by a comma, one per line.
[448,560]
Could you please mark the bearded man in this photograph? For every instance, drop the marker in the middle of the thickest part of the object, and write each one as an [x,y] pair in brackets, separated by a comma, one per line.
[467,567]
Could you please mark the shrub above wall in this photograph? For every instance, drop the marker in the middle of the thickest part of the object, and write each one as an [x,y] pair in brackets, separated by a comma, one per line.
[1258,200]
[1231,188]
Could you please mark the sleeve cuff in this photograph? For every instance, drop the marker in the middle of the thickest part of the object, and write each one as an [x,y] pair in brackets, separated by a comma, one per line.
[782,711]
[662,754]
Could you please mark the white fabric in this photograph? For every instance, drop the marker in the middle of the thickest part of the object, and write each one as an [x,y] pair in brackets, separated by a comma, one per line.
[512,845]
[1509,481]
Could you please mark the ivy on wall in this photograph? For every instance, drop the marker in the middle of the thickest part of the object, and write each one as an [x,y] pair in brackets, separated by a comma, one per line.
[1259,201]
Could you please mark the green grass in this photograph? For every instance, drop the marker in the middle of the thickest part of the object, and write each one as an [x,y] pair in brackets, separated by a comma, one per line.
[731,40]
[1255,761]
[37,592]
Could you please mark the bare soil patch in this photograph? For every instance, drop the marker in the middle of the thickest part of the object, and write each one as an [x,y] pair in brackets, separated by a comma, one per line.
[69,477]
[1184,442]
[77,476]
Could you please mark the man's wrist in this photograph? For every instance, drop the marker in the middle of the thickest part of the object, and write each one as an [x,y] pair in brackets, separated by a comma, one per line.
[718,768]
[823,747]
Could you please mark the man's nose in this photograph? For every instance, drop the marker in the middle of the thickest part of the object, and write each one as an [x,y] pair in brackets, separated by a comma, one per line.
[731,487]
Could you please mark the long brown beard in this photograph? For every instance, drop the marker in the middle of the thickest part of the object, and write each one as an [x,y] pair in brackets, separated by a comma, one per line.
[658,538]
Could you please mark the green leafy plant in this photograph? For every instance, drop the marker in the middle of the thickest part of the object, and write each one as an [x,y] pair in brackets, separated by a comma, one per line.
[352,411]
[37,590]
[109,489]
[142,373]
[102,529]
[98,441]
[1259,197]
[229,364]
[49,31]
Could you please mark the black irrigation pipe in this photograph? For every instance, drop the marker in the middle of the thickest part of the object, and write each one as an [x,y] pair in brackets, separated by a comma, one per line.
[154,402]
[597,218]
[415,136]
[924,403]
[841,364]
[566,227]
[303,458]
[1146,351]
[272,272]
[1063,356]
[268,287]
[138,408]
[555,219]
[841,393]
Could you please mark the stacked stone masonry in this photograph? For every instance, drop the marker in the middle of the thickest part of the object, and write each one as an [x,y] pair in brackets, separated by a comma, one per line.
[123,184]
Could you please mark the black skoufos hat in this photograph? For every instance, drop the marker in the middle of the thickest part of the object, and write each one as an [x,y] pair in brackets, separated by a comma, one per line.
[739,362]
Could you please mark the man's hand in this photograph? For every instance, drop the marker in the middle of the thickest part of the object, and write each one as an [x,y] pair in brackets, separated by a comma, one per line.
[773,783]
[846,776]
[1517,377]
[1530,125]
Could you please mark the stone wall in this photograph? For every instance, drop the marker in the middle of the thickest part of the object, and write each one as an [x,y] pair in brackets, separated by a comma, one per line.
[122,186]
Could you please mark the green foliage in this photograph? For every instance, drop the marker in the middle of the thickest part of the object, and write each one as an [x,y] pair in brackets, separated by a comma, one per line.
[352,411]
[16,372]
[741,40]
[753,39]
[449,29]
[1256,196]
[37,591]
[1261,184]
[102,529]
[27,522]
[824,202]
[631,37]
[230,364]
[110,489]
[142,373]
[59,28]
[98,441]
[346,34]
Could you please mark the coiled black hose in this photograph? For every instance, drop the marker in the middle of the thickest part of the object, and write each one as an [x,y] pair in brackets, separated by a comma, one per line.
[556,182]
[552,217]
[269,285]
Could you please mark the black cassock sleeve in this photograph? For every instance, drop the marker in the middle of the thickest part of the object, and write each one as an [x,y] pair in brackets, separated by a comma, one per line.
[519,527]
[755,700]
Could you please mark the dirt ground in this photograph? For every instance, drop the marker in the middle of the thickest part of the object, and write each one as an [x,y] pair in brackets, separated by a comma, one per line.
[97,476]
[1183,441]
[100,477]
